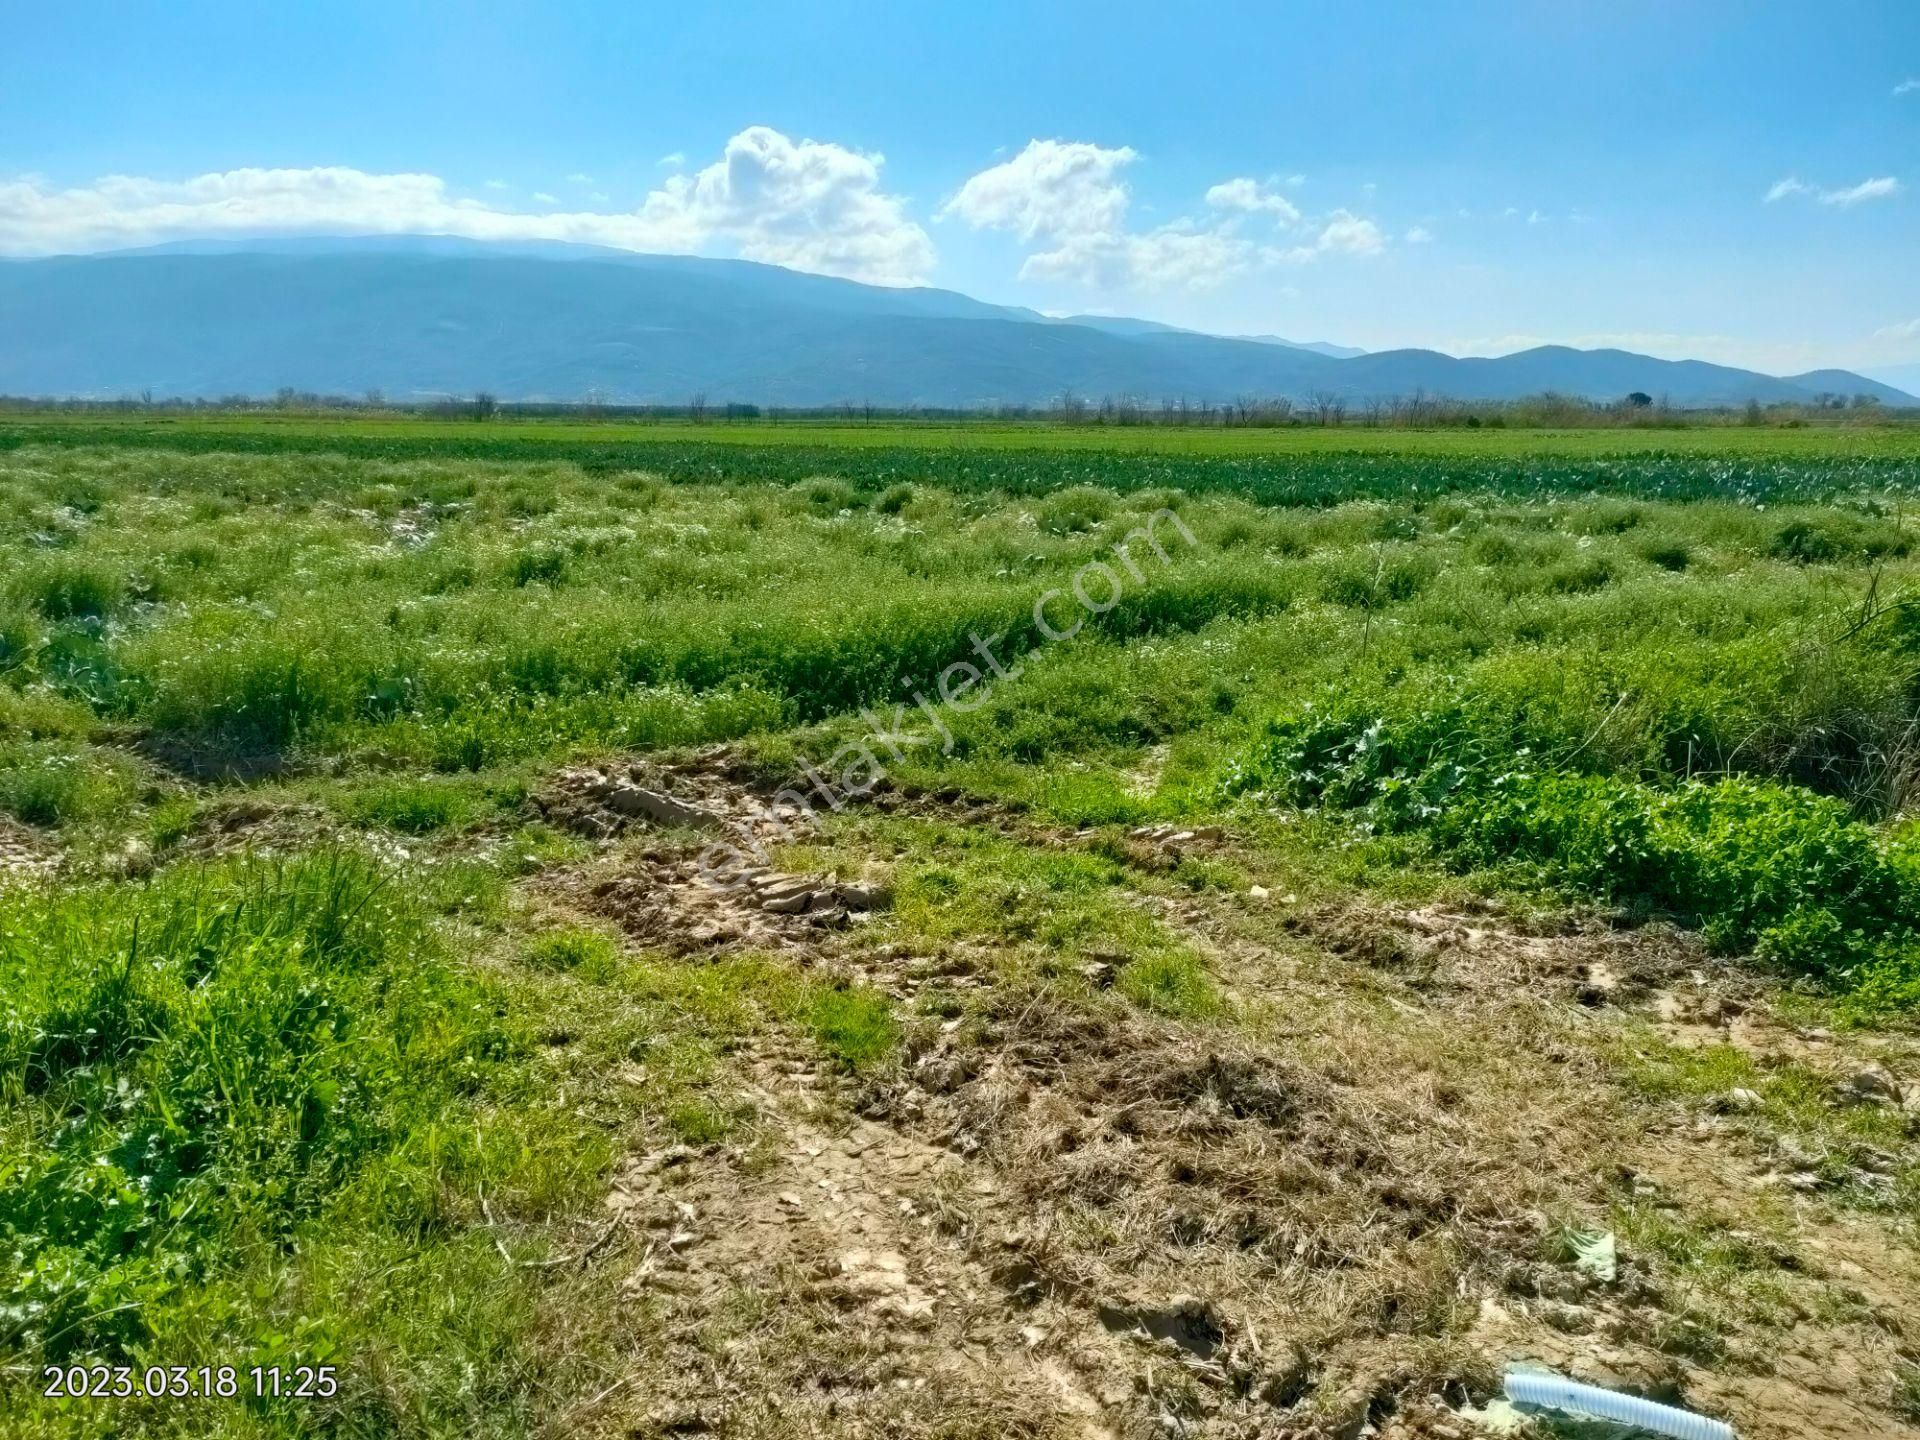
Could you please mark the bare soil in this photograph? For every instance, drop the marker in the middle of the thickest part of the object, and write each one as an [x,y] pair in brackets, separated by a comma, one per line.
[1340,1210]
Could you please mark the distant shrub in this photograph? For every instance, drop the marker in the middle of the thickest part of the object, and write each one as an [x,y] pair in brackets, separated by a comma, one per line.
[894,499]
[1076,510]
[1668,555]
[75,590]
[1837,537]
[417,807]
[827,496]
[1578,577]
[539,565]
[48,784]
[1359,582]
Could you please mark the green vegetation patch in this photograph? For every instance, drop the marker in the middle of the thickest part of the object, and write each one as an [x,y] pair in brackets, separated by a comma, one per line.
[198,1075]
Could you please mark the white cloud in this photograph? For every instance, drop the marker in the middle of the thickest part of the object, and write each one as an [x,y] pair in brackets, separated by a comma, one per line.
[1067,196]
[1880,187]
[673,160]
[1907,86]
[1349,234]
[807,204]
[496,185]
[1068,199]
[1343,234]
[1053,188]
[1173,257]
[1905,330]
[541,197]
[1251,197]
[1419,235]
[579,179]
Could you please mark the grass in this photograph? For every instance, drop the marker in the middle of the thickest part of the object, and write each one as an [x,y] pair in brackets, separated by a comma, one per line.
[347,1099]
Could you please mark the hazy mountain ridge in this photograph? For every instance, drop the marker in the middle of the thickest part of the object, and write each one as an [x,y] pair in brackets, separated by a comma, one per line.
[414,316]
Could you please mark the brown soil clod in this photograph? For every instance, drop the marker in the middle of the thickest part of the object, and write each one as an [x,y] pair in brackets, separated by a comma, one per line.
[707,884]
[601,802]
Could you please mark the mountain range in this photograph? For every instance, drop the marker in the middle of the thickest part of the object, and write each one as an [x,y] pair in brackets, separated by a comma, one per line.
[419,316]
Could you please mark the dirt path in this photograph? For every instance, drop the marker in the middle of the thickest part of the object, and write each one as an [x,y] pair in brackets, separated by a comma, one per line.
[1340,1211]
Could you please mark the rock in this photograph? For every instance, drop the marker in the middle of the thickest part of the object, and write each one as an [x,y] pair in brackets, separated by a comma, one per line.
[1740,1099]
[1258,892]
[1099,974]
[873,1272]
[789,902]
[784,887]
[865,897]
[637,802]
[136,859]
[1873,1083]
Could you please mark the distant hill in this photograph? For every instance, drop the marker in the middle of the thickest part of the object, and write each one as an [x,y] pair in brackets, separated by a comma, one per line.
[1124,325]
[1318,347]
[424,316]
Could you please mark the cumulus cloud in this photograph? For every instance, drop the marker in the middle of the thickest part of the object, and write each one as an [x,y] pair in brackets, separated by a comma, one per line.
[1419,235]
[1053,189]
[1252,198]
[1880,187]
[1349,234]
[807,204]
[1907,86]
[1069,199]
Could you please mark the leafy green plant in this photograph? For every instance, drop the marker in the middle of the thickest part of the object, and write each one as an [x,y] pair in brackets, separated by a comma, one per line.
[204,1069]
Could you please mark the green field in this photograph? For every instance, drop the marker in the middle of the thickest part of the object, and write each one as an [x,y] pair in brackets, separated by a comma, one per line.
[1855,437]
[1321,881]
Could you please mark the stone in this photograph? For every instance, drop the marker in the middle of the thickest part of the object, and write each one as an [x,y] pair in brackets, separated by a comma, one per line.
[1873,1083]
[636,802]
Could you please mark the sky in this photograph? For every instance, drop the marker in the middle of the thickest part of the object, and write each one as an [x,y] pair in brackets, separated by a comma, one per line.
[1737,182]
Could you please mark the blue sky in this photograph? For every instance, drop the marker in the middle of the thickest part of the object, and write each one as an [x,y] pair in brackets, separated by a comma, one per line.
[1475,177]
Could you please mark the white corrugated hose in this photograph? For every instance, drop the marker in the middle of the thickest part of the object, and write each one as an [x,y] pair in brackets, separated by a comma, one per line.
[1556,1392]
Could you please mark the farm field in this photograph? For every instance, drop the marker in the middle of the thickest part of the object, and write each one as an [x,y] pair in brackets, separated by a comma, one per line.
[645,931]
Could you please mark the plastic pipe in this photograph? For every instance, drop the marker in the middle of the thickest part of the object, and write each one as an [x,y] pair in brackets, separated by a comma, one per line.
[1556,1392]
